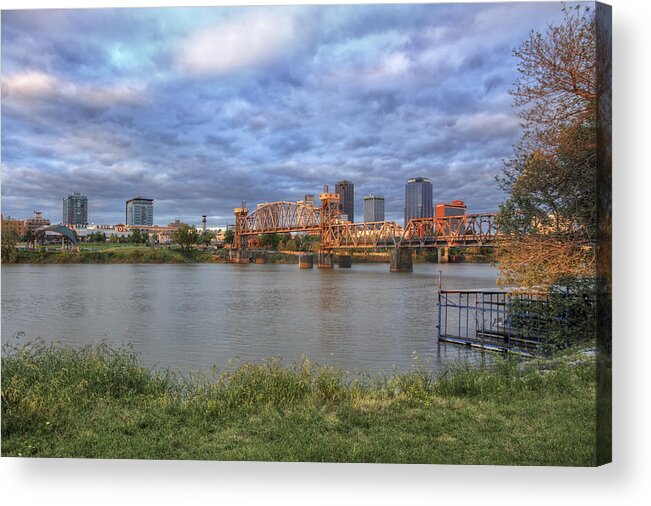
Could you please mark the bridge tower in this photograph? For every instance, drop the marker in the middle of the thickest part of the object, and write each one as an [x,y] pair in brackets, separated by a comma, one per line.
[240,253]
[329,212]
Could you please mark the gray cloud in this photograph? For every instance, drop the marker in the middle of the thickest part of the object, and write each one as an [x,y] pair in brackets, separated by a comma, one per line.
[118,102]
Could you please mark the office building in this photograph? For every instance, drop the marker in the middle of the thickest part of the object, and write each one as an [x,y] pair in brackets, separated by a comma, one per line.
[346,192]
[373,208]
[13,227]
[418,198]
[33,224]
[75,210]
[140,212]
[454,208]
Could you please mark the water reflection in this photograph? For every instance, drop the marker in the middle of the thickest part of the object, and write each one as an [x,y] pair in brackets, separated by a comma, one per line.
[196,316]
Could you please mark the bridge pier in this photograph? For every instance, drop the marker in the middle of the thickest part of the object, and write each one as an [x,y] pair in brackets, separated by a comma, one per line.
[305,260]
[345,261]
[402,260]
[324,260]
[442,255]
[240,256]
[260,258]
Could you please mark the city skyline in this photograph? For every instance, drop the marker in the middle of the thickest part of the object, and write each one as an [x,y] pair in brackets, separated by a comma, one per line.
[121,102]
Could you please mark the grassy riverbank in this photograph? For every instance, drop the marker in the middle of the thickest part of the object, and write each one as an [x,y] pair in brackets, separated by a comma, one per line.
[115,255]
[101,402]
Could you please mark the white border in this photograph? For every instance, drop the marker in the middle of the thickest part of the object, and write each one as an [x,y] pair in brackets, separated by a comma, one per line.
[74,481]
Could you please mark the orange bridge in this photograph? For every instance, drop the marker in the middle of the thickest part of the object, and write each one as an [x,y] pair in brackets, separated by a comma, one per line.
[338,234]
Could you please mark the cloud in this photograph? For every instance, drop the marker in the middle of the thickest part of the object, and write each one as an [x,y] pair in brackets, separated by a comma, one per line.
[30,89]
[29,85]
[201,108]
[237,43]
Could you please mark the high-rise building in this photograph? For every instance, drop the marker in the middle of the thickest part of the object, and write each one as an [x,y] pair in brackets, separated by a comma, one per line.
[140,212]
[373,208]
[75,210]
[418,198]
[346,192]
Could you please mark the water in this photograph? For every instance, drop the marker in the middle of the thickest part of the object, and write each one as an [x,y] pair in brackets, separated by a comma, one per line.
[199,315]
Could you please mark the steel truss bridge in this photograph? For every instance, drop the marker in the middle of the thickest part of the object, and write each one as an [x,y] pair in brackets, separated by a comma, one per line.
[336,234]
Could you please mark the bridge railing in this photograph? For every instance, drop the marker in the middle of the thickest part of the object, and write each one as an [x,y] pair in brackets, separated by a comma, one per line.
[376,234]
[468,229]
[281,217]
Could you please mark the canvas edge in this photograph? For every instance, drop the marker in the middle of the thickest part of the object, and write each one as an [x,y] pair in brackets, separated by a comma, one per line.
[603,436]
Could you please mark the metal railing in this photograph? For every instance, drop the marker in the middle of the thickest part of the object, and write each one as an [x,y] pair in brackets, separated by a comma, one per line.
[496,320]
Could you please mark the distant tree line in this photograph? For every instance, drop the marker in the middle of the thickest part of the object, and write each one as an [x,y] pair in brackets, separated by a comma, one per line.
[289,242]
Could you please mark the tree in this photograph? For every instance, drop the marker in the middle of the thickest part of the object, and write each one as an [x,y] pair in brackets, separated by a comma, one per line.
[549,219]
[135,236]
[206,237]
[9,239]
[97,237]
[229,236]
[185,236]
[290,245]
[269,241]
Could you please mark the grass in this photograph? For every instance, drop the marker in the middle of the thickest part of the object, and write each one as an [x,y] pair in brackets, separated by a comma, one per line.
[101,402]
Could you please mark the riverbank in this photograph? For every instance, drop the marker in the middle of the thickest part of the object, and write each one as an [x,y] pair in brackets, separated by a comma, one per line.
[116,255]
[101,402]
[163,255]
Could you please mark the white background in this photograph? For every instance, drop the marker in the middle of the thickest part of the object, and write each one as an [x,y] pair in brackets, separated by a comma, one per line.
[626,481]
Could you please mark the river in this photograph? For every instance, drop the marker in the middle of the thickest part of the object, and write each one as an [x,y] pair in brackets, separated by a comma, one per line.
[192,317]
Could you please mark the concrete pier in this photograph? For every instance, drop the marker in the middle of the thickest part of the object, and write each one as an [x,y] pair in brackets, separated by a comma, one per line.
[324,260]
[345,261]
[442,255]
[260,258]
[402,260]
[305,260]
[240,256]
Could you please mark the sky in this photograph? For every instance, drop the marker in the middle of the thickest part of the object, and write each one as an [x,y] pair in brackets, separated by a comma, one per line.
[201,108]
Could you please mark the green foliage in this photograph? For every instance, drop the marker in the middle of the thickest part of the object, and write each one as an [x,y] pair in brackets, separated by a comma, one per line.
[185,236]
[290,245]
[229,236]
[97,237]
[307,243]
[270,241]
[137,236]
[565,314]
[9,239]
[206,237]
[102,402]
